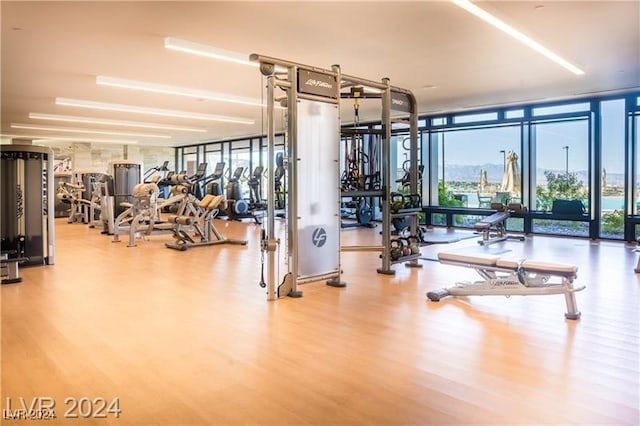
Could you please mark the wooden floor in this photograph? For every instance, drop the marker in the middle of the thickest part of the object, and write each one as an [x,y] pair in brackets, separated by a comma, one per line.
[188,338]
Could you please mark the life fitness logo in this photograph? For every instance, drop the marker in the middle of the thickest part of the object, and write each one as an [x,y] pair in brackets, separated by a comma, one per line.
[319,237]
[317,83]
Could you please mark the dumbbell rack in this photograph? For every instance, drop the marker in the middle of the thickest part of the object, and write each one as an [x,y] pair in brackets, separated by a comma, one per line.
[410,260]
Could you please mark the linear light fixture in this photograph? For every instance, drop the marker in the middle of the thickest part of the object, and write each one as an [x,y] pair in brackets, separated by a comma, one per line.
[65,139]
[151,111]
[208,51]
[175,90]
[503,26]
[108,122]
[79,130]
[60,138]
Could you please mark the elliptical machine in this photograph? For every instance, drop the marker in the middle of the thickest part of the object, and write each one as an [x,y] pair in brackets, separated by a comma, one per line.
[213,182]
[255,190]
[237,207]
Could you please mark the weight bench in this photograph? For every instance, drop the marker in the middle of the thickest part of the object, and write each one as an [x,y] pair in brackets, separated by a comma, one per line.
[10,270]
[507,277]
[494,229]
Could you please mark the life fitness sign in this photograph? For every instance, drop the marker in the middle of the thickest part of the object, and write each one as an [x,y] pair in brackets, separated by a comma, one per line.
[316,83]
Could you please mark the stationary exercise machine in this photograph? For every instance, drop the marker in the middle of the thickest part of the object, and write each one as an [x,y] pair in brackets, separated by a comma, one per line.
[256,202]
[156,173]
[197,180]
[399,209]
[126,175]
[506,277]
[360,181]
[213,182]
[71,194]
[237,207]
[279,185]
[104,190]
[26,203]
[61,208]
[312,242]
[199,230]
[142,216]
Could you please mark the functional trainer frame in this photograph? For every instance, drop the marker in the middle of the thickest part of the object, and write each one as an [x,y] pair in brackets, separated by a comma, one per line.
[313,105]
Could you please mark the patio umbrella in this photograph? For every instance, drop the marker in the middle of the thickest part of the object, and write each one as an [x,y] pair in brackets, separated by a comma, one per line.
[511,179]
[483,180]
[604,178]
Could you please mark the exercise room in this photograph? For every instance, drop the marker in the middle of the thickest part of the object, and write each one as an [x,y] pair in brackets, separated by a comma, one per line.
[327,213]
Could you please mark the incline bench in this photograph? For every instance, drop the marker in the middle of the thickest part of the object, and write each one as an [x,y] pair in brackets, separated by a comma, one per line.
[522,278]
[10,272]
[494,229]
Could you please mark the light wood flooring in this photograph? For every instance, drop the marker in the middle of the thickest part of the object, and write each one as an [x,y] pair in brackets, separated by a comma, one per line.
[188,338]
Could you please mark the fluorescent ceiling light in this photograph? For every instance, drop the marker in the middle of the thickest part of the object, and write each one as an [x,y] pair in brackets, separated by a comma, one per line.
[208,51]
[65,139]
[174,90]
[152,111]
[79,130]
[501,25]
[70,139]
[106,121]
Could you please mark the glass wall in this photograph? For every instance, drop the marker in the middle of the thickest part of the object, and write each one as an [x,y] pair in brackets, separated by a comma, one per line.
[400,160]
[612,124]
[636,168]
[479,164]
[569,169]
[561,166]
[574,165]
[240,162]
[189,160]
[212,157]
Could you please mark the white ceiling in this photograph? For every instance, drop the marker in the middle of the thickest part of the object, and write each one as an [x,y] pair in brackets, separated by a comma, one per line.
[56,49]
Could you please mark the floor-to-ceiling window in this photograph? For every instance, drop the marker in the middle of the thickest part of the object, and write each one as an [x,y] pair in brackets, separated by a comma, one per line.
[213,156]
[636,168]
[612,182]
[480,164]
[400,162]
[240,162]
[560,170]
[189,160]
[567,163]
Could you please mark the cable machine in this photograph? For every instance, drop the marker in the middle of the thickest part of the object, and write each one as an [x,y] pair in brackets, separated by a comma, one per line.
[27,203]
[360,179]
[312,178]
[395,206]
[312,98]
